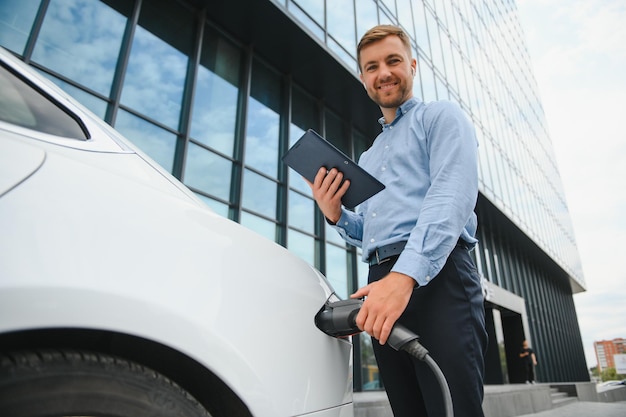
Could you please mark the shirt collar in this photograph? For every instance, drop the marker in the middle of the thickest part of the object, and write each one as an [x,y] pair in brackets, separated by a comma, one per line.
[401,111]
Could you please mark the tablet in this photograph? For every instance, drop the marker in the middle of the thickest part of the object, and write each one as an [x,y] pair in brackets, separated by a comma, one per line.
[311,152]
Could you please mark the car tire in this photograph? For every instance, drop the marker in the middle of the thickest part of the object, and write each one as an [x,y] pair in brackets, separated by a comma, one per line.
[71,383]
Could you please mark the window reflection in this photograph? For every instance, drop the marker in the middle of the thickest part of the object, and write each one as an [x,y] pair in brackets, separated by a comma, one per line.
[366,17]
[16,20]
[405,15]
[301,212]
[304,116]
[332,235]
[216,206]
[341,24]
[217,90]
[263,120]
[81,40]
[337,133]
[313,8]
[208,172]
[157,66]
[302,245]
[259,194]
[158,143]
[337,269]
[261,226]
[369,367]
[91,102]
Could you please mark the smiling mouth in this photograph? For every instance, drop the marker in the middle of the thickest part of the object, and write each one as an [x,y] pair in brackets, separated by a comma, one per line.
[387,86]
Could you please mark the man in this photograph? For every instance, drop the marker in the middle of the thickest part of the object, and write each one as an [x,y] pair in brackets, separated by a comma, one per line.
[416,234]
[529,360]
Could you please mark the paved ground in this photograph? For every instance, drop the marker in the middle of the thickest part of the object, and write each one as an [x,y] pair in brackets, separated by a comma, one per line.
[585,409]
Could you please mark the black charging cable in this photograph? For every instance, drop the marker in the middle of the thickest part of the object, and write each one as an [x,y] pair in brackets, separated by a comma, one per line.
[338,319]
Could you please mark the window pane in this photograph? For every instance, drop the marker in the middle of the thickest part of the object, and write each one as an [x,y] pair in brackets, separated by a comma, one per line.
[302,245]
[427,81]
[332,235]
[337,134]
[369,368]
[421,34]
[263,121]
[361,143]
[159,144]
[300,212]
[16,20]
[216,206]
[405,15]
[157,65]
[314,8]
[259,194]
[81,40]
[304,116]
[362,269]
[337,270]
[217,90]
[259,225]
[208,172]
[366,17]
[91,102]
[341,24]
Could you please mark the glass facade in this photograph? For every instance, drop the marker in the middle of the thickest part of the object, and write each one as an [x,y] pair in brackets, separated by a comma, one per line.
[206,91]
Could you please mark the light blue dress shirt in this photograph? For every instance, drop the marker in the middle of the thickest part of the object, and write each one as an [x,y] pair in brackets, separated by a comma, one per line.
[427,159]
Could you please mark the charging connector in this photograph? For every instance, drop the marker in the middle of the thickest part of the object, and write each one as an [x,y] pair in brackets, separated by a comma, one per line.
[338,319]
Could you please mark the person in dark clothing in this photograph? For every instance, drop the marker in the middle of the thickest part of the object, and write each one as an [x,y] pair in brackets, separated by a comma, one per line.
[529,360]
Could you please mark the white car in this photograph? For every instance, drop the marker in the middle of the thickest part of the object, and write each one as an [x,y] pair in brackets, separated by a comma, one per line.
[122,294]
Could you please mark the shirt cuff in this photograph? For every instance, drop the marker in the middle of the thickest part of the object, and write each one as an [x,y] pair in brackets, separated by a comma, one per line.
[416,266]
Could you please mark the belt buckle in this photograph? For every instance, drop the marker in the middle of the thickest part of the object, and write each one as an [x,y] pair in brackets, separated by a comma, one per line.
[378,260]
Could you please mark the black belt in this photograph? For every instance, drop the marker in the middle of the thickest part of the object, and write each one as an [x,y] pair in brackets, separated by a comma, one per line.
[386,252]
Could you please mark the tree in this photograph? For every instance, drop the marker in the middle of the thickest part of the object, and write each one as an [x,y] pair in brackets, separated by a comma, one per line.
[610,374]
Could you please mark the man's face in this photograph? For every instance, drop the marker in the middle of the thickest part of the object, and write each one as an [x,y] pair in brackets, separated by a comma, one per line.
[387,72]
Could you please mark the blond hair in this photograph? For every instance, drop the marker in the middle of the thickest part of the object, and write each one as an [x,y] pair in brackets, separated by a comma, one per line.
[380,32]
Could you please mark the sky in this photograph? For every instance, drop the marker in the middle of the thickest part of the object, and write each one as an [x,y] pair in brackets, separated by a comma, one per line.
[578,51]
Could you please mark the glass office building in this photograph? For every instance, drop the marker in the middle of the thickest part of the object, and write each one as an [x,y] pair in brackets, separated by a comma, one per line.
[217,91]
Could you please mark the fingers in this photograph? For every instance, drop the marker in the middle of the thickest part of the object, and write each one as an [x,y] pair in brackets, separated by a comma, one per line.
[328,188]
[361,292]
[378,325]
[329,182]
[386,300]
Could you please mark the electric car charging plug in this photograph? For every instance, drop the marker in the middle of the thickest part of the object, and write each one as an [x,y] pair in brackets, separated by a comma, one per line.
[338,319]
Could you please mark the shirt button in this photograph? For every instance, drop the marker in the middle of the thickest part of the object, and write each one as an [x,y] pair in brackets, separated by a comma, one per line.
[372,240]
[427,278]
[373,214]
[345,223]
[383,168]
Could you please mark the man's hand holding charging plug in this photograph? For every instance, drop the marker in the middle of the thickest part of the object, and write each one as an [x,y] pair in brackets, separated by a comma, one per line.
[387,298]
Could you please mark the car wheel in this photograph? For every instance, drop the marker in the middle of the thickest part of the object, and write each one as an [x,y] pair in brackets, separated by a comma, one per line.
[70,383]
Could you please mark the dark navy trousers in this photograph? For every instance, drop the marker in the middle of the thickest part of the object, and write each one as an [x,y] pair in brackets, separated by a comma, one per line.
[448,315]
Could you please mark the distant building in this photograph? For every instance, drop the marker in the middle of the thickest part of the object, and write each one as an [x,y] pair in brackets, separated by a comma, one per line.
[217,91]
[606,349]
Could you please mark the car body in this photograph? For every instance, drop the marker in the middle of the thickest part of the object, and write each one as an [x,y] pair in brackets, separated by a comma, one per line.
[106,258]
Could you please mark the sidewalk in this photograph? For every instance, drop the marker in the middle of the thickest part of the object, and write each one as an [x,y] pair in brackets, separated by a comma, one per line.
[522,400]
[585,409]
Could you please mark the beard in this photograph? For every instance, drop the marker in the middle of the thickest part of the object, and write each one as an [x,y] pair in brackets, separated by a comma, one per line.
[394,98]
